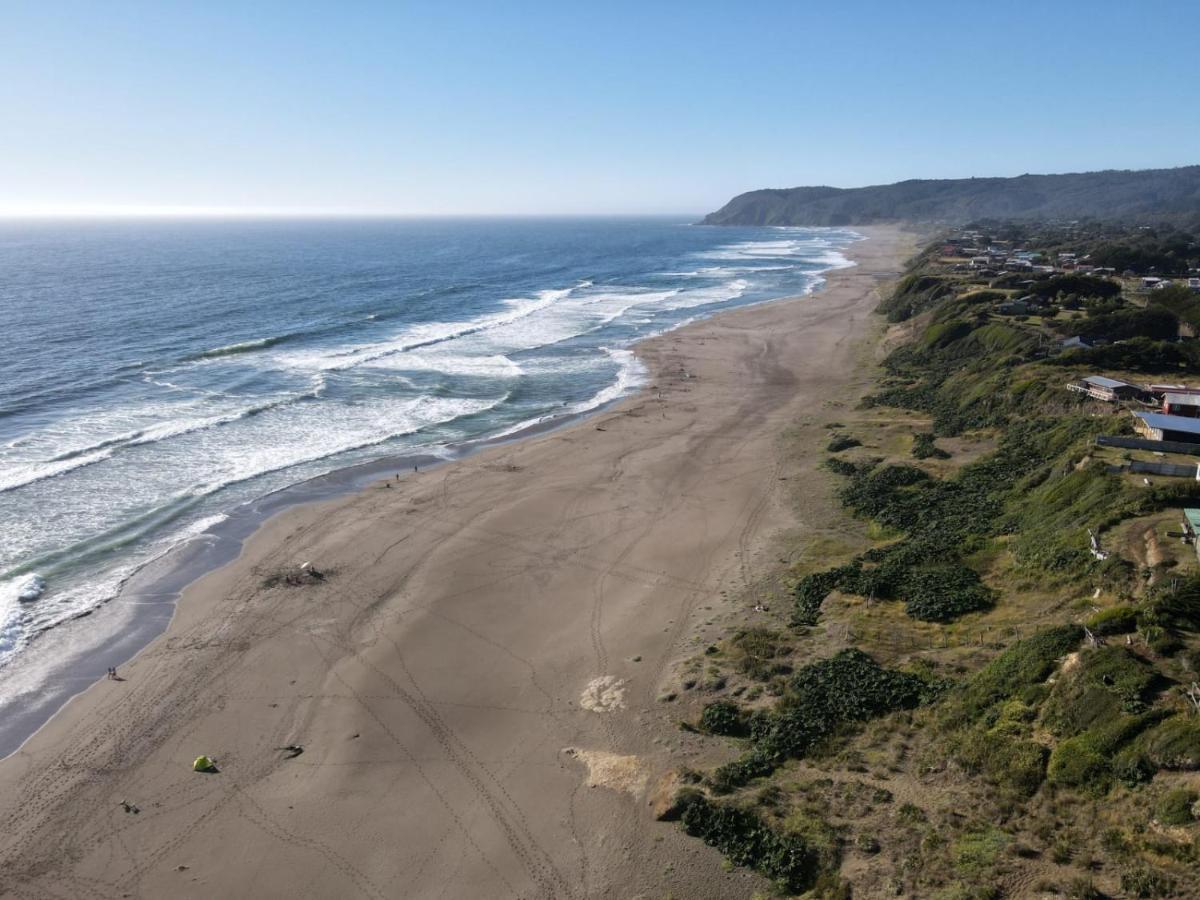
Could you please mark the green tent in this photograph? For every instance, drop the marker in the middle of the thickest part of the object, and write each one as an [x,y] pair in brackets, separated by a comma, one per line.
[202,764]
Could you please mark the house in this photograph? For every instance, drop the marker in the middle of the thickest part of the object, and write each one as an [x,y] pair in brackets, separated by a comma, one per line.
[1013,308]
[1194,285]
[1161,427]
[1076,343]
[1150,282]
[1100,388]
[1162,284]
[1159,391]
[1181,404]
[1191,528]
[980,262]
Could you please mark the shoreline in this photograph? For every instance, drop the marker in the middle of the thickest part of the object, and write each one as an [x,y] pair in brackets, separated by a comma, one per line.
[161,581]
[478,621]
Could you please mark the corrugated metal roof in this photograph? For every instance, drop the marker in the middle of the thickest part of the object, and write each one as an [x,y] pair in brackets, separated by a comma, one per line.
[1193,517]
[1183,399]
[1170,423]
[1101,381]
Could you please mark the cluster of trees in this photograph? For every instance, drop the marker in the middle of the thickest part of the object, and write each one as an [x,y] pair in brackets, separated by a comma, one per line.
[1170,253]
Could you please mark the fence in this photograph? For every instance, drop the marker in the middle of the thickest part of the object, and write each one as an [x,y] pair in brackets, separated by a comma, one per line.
[1129,443]
[1172,469]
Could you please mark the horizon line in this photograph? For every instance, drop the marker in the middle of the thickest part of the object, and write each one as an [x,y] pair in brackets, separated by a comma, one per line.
[236,212]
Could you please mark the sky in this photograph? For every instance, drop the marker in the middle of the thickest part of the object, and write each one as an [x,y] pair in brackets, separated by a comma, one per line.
[464,108]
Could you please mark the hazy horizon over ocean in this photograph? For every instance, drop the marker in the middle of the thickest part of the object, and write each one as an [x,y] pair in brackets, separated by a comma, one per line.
[162,372]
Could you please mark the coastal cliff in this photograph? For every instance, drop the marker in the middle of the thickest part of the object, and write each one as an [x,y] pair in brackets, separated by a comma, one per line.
[1127,195]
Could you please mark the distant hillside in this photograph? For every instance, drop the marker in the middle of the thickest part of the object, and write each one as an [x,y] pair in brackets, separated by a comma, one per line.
[1130,195]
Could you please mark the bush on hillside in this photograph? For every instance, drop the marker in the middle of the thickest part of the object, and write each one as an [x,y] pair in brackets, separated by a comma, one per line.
[925,448]
[746,840]
[1114,620]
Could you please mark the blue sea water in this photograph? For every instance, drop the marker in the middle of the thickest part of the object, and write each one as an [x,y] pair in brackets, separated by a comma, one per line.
[157,374]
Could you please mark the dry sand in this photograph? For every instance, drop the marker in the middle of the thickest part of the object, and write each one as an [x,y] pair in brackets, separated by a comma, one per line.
[474,683]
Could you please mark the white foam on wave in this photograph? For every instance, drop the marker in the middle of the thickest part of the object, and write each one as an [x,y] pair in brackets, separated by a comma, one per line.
[489,365]
[722,293]
[286,443]
[726,271]
[415,337]
[273,447]
[66,453]
[31,588]
[21,622]
[631,373]
[787,248]
[19,476]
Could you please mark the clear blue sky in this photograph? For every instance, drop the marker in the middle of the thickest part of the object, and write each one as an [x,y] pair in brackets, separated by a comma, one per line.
[572,107]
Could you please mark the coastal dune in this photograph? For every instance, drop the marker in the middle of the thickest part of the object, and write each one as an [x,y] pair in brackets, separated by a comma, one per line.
[470,691]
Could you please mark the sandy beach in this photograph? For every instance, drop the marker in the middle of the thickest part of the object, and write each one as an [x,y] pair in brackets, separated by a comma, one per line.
[476,682]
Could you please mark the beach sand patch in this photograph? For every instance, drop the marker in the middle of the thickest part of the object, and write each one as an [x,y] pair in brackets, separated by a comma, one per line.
[603,694]
[611,770]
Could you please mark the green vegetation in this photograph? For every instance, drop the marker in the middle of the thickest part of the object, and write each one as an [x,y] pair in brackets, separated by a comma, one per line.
[840,442]
[820,700]
[1025,698]
[747,841]
[1023,666]
[925,448]
[760,653]
[1175,743]
[1114,620]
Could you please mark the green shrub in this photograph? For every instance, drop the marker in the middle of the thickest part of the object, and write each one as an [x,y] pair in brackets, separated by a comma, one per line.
[746,840]
[911,814]
[757,652]
[977,852]
[942,593]
[1027,662]
[924,447]
[1146,882]
[1106,682]
[1174,744]
[1077,763]
[1089,761]
[842,442]
[819,700]
[1132,767]
[913,294]
[1175,807]
[1114,620]
[723,718]
[1014,765]
[1178,607]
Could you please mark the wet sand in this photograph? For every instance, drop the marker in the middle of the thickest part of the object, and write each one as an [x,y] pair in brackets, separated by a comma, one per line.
[475,679]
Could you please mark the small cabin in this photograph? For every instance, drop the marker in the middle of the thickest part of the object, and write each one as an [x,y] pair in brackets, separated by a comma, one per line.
[1111,390]
[1181,404]
[1161,427]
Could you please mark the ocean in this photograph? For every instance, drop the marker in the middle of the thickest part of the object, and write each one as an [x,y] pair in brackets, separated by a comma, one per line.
[159,375]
